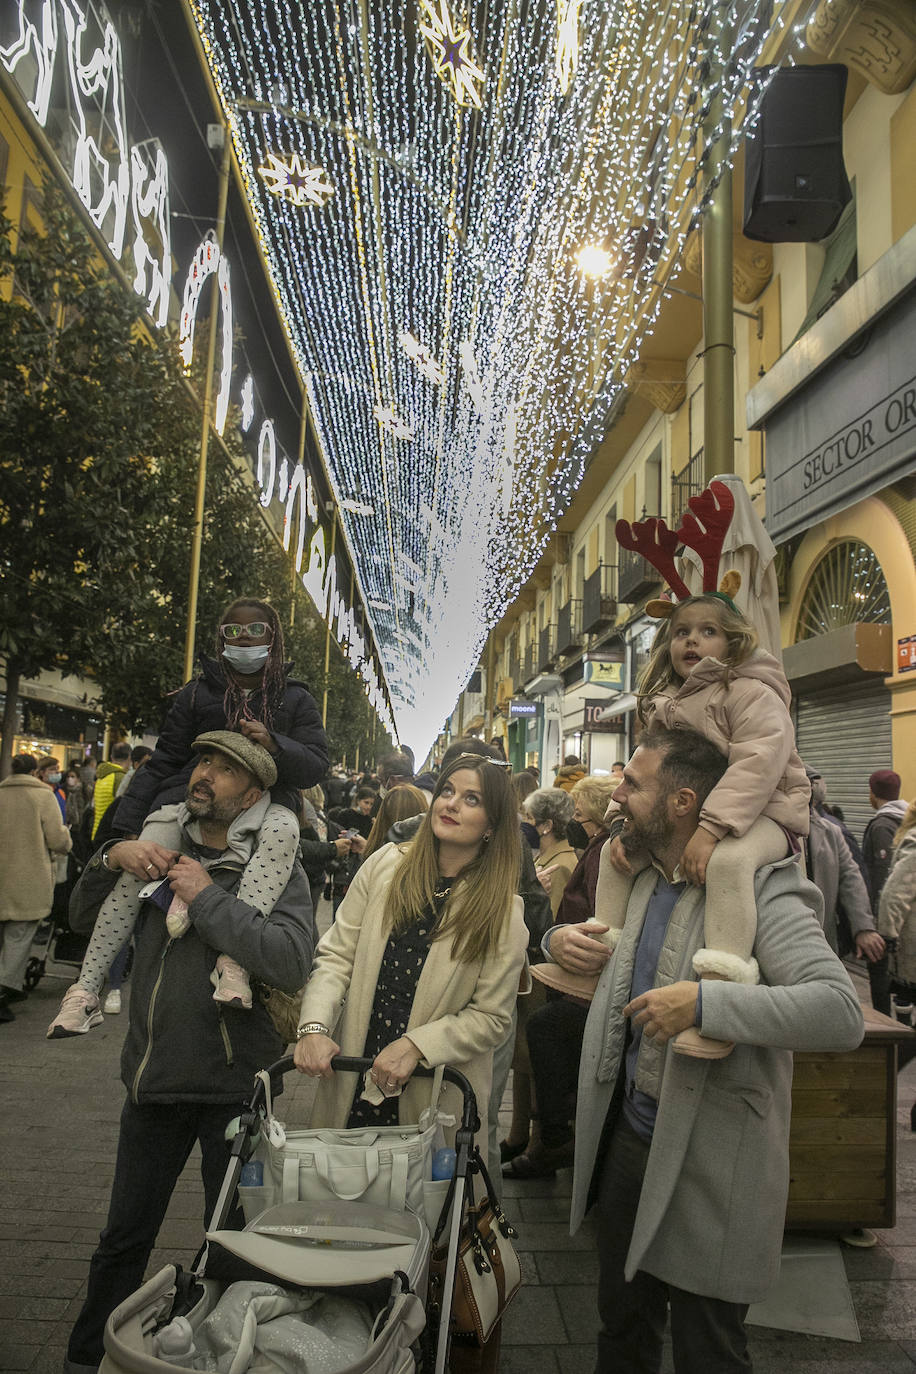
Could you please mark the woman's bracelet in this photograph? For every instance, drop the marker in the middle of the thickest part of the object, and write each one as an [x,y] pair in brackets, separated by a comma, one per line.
[311,1028]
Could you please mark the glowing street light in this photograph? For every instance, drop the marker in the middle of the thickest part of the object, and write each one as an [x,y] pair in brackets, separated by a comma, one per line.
[593,262]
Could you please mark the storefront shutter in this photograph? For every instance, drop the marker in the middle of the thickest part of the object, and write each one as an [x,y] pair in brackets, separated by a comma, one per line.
[845,733]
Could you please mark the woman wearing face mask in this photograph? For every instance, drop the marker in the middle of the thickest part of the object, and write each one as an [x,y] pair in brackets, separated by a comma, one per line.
[48,771]
[76,802]
[245,688]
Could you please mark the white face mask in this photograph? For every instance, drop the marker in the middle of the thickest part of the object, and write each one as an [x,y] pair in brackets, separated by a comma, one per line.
[249,659]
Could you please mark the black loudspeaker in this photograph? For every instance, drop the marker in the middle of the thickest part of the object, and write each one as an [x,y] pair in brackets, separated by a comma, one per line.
[795,183]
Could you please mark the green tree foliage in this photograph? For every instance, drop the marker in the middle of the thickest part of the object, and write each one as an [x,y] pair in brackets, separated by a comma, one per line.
[80,491]
[99,438]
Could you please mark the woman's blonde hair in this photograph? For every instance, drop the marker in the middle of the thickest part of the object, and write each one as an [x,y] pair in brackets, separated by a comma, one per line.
[480,901]
[594,795]
[658,674]
[397,805]
[907,822]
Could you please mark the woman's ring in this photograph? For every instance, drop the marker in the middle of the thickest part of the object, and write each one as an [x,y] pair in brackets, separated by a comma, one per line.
[149,868]
[391,1083]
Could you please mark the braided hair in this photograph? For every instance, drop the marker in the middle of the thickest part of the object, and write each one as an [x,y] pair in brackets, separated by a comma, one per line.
[273,681]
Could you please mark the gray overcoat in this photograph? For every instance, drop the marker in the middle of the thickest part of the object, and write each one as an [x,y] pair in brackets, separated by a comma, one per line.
[713,1202]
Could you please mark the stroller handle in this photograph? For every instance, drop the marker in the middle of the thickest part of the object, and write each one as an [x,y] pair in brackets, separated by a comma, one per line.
[355,1064]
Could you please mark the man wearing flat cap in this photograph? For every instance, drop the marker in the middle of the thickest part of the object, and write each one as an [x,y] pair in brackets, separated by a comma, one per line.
[188,1061]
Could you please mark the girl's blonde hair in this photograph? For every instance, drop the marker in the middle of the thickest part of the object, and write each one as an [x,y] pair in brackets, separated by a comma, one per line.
[480,901]
[397,805]
[907,822]
[658,674]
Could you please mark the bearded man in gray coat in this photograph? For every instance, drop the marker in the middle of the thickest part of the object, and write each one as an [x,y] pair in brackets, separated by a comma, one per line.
[687,1159]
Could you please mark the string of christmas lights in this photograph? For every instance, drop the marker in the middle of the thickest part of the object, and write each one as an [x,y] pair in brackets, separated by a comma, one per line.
[459,365]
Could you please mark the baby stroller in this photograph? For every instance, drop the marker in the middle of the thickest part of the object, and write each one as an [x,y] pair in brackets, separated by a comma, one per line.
[376,1256]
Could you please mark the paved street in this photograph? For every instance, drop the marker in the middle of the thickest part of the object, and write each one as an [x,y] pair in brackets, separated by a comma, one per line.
[58,1136]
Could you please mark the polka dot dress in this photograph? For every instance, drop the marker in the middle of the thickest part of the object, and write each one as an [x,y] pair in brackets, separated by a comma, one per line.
[402,963]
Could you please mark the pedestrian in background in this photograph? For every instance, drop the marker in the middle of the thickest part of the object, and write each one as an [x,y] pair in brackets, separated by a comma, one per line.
[897,908]
[554,1030]
[322,845]
[33,834]
[848,910]
[48,771]
[139,755]
[108,779]
[848,922]
[76,802]
[878,840]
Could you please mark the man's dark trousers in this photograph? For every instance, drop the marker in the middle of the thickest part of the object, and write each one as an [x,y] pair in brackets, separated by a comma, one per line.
[153,1148]
[707,1334]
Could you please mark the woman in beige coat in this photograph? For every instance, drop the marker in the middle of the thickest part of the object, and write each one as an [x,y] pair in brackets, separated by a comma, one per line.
[423,960]
[33,831]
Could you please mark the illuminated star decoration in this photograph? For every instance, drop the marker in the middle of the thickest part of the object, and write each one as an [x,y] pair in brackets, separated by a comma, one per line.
[389,420]
[424,360]
[567,41]
[296,180]
[451,53]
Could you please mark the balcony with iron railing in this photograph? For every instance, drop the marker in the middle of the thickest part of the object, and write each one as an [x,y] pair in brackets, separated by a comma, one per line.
[599,603]
[569,627]
[684,484]
[547,648]
[530,661]
[635,577]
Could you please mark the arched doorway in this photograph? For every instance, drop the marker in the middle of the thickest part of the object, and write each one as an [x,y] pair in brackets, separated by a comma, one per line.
[845,731]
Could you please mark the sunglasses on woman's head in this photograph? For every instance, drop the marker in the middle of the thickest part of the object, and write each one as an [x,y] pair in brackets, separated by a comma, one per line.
[484,758]
[255,630]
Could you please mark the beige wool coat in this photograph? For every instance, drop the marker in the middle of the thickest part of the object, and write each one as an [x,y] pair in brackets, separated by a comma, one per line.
[461,1011]
[712,1205]
[32,831]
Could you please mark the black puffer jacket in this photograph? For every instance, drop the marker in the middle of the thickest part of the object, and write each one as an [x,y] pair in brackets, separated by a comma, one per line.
[297,729]
[181,1046]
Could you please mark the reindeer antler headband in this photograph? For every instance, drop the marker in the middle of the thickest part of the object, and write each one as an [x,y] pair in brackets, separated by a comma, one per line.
[703,528]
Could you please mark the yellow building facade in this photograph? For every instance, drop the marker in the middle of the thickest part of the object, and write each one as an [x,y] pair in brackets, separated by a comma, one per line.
[823,346]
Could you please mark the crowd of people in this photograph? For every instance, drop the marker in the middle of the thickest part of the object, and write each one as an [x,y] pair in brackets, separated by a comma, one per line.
[642,948]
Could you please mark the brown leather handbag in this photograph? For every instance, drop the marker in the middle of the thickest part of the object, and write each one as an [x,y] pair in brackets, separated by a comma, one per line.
[488,1274]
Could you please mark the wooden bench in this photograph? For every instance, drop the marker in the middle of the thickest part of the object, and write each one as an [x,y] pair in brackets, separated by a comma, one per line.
[842,1142]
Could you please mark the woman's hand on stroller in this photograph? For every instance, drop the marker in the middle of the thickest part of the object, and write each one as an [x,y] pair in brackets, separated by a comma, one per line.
[313,1054]
[394,1065]
[144,859]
